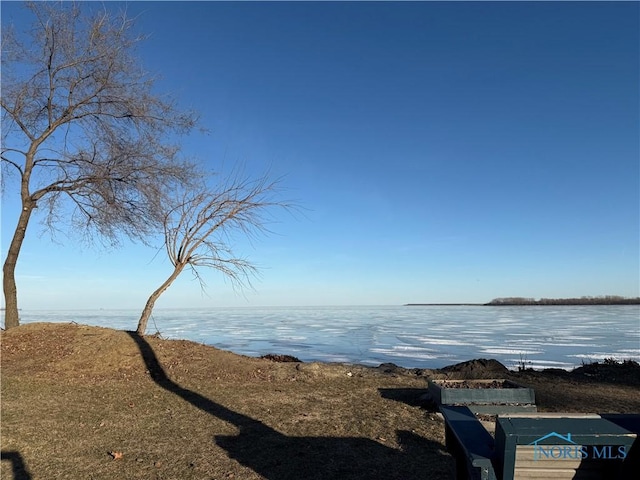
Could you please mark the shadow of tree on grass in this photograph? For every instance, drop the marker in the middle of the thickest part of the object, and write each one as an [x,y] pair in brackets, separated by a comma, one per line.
[18,466]
[279,457]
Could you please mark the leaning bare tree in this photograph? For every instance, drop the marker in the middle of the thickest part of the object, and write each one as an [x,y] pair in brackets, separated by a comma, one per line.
[83,131]
[198,228]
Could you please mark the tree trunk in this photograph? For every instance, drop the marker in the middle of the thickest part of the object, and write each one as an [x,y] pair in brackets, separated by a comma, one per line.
[148,308]
[11,318]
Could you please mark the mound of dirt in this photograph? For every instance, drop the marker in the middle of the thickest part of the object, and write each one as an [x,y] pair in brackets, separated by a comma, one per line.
[473,369]
[627,372]
[274,357]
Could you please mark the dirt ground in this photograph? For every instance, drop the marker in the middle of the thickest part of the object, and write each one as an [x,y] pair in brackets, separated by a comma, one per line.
[83,402]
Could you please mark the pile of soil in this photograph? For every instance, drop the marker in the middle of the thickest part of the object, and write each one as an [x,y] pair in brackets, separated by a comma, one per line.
[96,403]
[280,358]
[610,371]
[476,369]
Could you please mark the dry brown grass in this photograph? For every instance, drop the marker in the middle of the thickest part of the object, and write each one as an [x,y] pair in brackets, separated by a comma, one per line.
[180,410]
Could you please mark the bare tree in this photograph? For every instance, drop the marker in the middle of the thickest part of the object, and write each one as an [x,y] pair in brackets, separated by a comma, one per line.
[83,129]
[198,228]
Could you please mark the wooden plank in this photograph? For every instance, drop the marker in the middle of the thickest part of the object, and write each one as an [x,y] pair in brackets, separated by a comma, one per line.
[444,392]
[526,456]
[469,442]
[502,409]
[587,431]
[468,430]
[550,415]
[553,474]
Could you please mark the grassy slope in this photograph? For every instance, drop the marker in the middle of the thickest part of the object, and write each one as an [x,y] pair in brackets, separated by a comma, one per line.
[175,409]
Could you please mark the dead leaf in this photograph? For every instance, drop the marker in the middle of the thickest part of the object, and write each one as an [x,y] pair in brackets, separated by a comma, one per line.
[116,455]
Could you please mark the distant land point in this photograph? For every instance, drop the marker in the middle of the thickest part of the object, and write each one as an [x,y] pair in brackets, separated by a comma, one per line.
[522,301]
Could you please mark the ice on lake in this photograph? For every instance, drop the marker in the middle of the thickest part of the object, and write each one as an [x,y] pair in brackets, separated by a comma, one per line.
[413,337]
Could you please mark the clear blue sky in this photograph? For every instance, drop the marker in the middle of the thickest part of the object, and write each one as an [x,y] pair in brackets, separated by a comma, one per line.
[442,152]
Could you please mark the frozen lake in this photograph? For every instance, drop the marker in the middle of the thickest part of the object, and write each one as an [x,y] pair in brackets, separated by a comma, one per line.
[420,336]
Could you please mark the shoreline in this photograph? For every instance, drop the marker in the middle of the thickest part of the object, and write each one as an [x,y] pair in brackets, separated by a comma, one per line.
[286,357]
[413,346]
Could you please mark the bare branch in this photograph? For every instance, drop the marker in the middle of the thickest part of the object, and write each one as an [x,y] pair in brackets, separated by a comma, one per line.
[11,162]
[198,226]
[84,130]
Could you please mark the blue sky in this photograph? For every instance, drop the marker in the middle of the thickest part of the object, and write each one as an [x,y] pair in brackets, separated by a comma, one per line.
[441,152]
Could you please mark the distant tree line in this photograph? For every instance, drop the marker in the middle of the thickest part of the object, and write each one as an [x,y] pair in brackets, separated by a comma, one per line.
[601,300]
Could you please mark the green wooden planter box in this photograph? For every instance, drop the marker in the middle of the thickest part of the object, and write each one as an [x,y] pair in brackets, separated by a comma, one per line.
[482,396]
